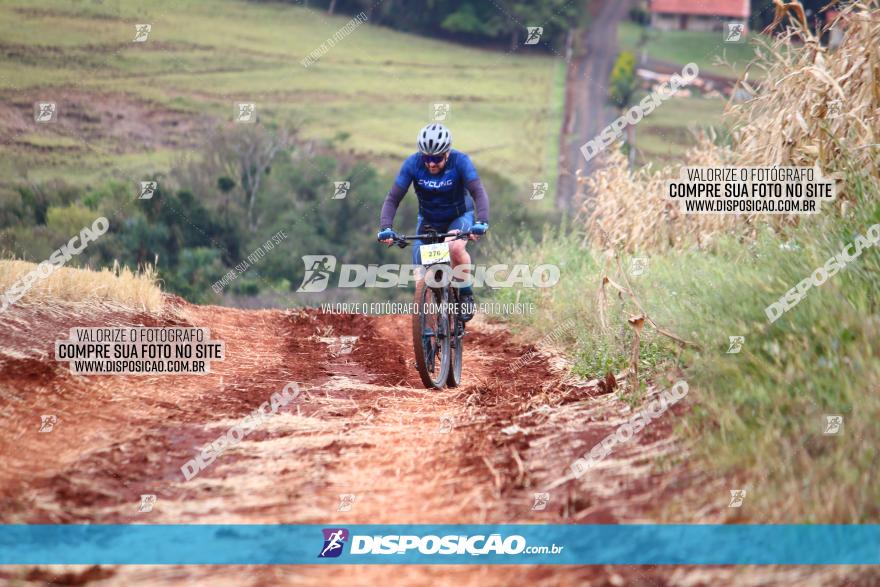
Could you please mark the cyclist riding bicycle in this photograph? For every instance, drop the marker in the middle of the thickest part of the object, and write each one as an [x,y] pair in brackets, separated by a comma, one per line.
[447,186]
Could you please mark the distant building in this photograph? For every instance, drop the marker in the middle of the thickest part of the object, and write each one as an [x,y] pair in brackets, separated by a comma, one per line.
[698,15]
[835,35]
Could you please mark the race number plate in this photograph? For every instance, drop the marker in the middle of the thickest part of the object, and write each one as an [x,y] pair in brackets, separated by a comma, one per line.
[436,253]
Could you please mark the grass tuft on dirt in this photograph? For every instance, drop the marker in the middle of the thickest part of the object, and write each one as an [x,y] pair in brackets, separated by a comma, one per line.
[137,291]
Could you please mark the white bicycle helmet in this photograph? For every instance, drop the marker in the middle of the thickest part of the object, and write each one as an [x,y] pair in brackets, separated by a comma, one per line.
[434,139]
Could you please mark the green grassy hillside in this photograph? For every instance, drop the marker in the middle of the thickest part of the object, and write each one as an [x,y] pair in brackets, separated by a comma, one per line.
[135,106]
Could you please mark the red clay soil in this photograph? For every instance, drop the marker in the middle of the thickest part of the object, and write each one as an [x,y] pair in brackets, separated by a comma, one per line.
[363,425]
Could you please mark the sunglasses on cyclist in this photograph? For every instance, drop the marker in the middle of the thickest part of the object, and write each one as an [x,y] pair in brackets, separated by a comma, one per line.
[433,158]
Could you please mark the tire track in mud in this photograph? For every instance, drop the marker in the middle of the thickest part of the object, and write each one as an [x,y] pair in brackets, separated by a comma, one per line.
[362,425]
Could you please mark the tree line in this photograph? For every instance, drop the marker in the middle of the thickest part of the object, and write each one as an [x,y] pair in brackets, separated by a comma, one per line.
[502,22]
[214,211]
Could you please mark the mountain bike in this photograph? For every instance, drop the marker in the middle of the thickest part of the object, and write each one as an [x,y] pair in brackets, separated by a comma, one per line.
[437,325]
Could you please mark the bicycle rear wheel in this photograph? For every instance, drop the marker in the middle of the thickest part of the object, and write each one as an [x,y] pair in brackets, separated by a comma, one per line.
[456,343]
[430,329]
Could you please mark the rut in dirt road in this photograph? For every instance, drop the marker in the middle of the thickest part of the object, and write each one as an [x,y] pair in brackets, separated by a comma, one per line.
[363,425]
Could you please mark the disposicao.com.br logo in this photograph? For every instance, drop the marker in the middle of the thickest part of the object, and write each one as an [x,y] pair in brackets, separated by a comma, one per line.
[319,270]
[450,544]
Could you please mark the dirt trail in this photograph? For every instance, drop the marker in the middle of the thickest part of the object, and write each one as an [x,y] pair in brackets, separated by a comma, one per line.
[363,425]
[586,111]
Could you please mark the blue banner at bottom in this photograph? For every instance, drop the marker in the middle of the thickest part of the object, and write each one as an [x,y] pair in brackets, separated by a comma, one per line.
[558,544]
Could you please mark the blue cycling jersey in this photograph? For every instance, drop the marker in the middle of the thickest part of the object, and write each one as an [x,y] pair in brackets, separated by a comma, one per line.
[442,197]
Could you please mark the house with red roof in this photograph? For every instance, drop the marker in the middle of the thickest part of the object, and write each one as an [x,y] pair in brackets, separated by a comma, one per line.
[698,15]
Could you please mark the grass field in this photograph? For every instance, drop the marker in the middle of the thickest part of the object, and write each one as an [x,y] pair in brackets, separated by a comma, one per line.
[702,48]
[138,105]
[663,137]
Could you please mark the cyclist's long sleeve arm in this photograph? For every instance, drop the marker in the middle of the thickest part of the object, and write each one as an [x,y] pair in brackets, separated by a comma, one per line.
[389,207]
[481,199]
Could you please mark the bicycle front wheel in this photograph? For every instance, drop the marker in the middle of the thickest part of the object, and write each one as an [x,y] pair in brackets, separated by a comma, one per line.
[431,340]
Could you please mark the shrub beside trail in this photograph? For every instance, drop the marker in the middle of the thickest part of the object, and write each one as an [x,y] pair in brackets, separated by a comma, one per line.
[755,417]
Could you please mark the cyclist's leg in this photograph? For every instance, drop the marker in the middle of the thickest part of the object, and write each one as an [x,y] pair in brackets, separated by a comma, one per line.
[416,253]
[460,257]
[458,248]
[418,271]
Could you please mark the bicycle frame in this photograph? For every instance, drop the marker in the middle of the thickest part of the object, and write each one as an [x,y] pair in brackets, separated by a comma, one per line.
[436,333]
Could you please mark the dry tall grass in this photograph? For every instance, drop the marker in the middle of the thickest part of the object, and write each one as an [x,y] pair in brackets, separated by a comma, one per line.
[119,285]
[629,209]
[816,106]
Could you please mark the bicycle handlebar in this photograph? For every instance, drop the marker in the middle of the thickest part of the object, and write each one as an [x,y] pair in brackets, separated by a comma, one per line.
[402,240]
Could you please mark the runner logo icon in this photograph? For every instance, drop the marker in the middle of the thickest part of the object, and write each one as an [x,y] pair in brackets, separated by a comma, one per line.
[318,271]
[534,34]
[334,540]
[734,32]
